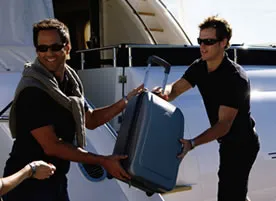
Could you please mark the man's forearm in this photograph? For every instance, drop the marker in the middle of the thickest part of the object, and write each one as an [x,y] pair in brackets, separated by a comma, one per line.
[177,88]
[70,152]
[218,130]
[102,115]
[8,183]
[171,94]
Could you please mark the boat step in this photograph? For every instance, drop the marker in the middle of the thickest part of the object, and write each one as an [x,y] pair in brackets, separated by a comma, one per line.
[179,188]
[146,13]
[156,29]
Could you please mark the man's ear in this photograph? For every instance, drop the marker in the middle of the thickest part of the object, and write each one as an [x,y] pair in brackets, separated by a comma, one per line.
[224,42]
[67,49]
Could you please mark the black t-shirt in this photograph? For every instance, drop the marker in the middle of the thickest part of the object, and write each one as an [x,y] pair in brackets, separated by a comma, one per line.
[35,109]
[228,86]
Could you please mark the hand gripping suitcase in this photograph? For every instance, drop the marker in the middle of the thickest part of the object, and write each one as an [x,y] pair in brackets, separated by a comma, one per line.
[149,135]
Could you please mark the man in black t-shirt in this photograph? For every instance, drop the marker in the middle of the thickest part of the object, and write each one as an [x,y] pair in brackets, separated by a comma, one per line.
[48,115]
[225,89]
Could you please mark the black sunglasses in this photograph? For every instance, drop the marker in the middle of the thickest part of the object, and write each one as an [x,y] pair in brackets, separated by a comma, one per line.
[207,41]
[54,47]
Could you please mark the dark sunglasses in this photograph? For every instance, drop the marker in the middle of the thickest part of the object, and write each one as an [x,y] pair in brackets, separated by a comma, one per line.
[54,47]
[207,41]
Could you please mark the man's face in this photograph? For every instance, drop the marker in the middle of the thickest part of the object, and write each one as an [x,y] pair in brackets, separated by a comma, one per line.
[51,52]
[210,49]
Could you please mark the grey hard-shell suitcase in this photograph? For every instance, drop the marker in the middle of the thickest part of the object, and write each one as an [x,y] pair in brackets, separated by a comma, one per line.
[149,135]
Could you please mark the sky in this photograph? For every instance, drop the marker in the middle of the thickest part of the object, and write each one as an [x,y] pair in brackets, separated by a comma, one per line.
[253,21]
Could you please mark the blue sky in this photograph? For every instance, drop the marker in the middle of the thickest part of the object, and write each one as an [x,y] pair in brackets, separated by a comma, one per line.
[252,21]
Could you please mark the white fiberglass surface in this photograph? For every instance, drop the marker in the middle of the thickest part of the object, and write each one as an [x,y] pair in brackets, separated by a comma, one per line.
[8,83]
[5,144]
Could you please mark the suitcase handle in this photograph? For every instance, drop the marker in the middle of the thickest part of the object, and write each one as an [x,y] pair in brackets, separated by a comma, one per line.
[160,62]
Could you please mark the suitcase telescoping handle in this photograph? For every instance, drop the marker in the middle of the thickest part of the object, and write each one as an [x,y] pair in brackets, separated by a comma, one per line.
[160,62]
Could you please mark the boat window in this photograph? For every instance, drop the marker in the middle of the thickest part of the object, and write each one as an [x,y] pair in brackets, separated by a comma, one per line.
[93,172]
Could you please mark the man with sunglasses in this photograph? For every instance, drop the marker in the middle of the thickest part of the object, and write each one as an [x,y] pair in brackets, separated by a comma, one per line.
[225,89]
[48,117]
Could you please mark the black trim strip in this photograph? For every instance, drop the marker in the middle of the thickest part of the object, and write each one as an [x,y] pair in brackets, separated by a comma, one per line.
[6,108]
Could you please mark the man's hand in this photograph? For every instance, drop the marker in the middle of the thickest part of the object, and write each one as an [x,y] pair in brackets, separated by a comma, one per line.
[113,166]
[186,147]
[135,91]
[43,170]
[158,91]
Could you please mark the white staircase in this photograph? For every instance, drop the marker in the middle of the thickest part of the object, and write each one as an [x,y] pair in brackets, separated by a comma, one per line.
[141,22]
[159,22]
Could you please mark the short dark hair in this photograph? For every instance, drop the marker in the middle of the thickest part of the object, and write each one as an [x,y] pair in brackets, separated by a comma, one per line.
[223,28]
[51,24]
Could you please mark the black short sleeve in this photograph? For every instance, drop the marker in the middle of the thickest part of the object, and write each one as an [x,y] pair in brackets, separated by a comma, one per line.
[34,108]
[236,91]
[192,73]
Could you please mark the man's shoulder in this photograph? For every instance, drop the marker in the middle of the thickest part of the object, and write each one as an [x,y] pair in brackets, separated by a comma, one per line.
[32,98]
[236,76]
[197,65]
[240,72]
[236,69]
[32,93]
[198,61]
[233,64]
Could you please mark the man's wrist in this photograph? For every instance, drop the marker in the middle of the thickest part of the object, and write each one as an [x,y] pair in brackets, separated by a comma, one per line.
[1,185]
[33,169]
[192,142]
[101,160]
[125,99]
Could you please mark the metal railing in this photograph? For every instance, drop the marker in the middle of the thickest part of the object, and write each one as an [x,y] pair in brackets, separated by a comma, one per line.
[130,47]
[129,50]
[113,48]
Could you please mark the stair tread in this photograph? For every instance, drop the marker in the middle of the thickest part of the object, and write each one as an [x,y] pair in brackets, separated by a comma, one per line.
[156,29]
[146,13]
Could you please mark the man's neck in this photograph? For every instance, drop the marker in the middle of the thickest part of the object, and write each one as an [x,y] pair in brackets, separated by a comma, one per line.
[214,64]
[59,75]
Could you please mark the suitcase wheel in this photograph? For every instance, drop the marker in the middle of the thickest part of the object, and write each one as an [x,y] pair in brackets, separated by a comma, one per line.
[149,194]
